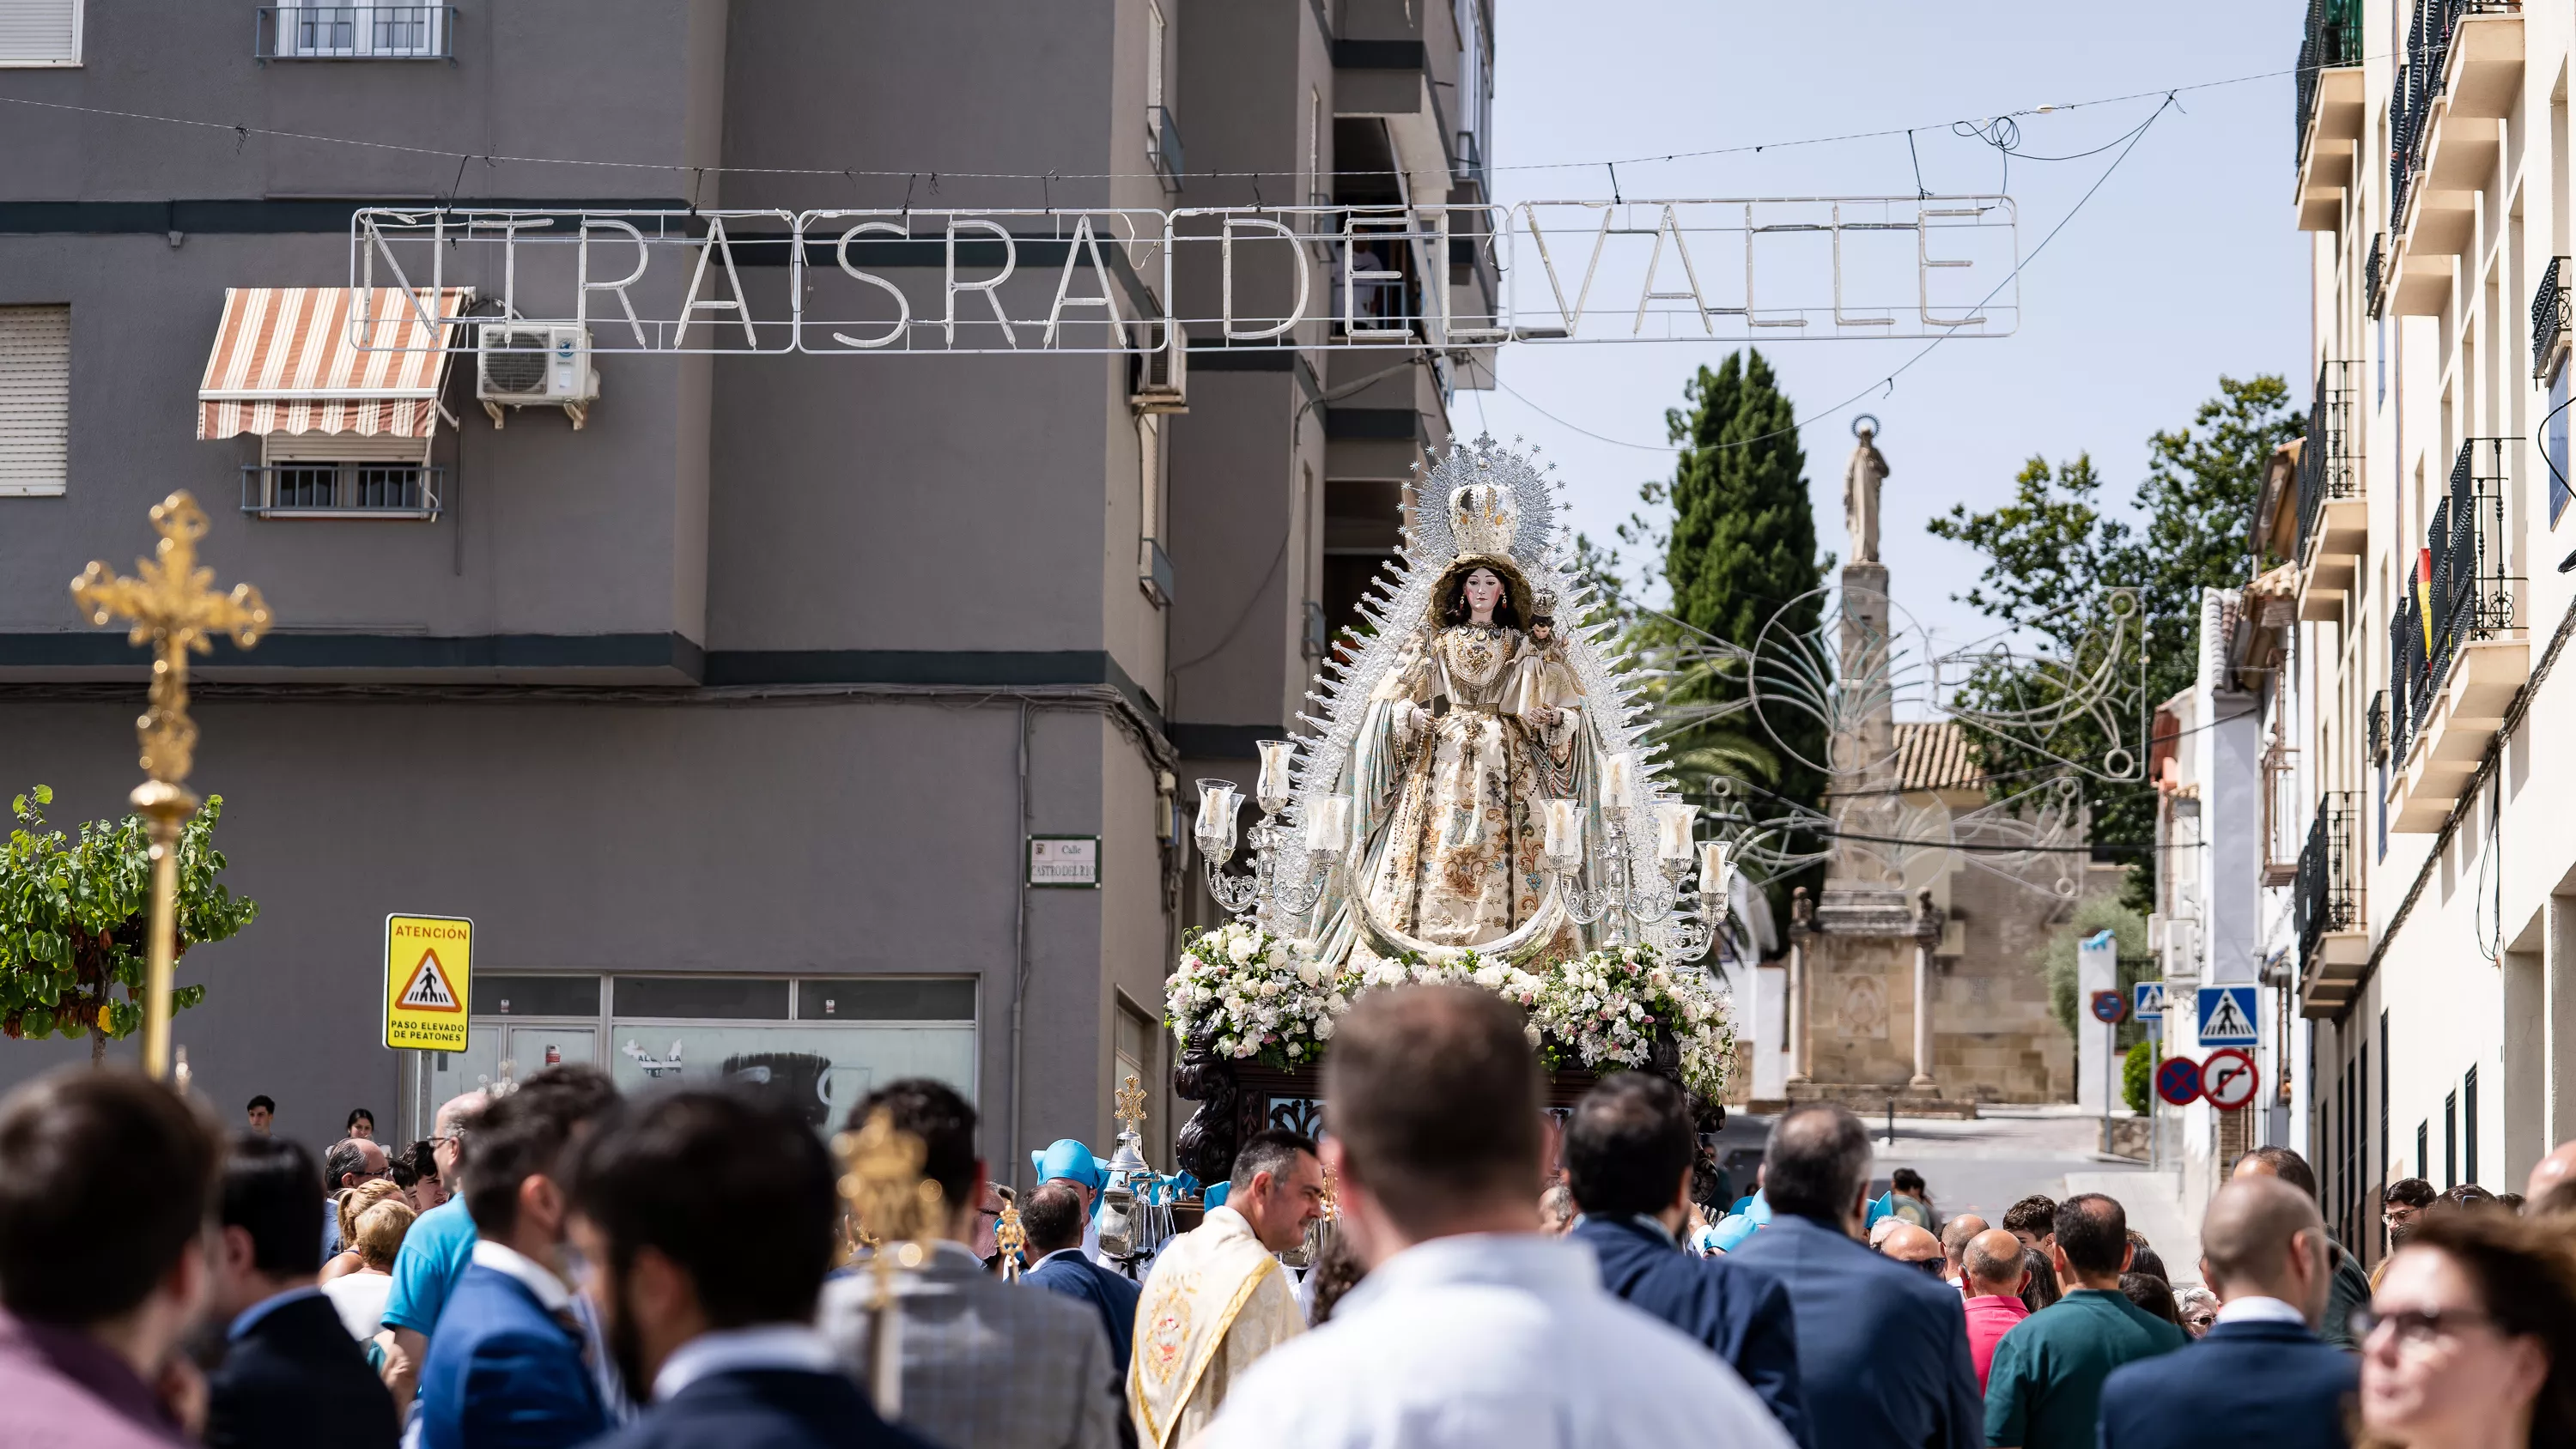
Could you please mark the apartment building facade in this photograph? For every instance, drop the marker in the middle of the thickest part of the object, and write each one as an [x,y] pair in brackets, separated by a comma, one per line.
[729,704]
[2415,717]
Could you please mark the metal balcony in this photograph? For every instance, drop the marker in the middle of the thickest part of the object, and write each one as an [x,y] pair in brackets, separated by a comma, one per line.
[2549,319]
[2329,118]
[2376,728]
[2370,274]
[2456,648]
[354,32]
[2461,77]
[2326,906]
[1163,146]
[341,490]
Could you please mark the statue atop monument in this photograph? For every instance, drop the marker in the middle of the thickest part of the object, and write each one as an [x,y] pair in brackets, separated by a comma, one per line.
[1861,480]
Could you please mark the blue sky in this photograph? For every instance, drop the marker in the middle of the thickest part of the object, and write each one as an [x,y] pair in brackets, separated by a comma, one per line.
[2185,265]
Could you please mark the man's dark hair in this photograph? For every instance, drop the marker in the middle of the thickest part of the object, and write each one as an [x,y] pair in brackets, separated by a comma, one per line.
[2093,1233]
[423,1157]
[1272,1150]
[586,1087]
[1434,1092]
[1053,1220]
[2465,1195]
[2152,1293]
[2412,1192]
[346,1156]
[260,1103]
[269,1193]
[523,1135]
[933,1111]
[2148,1261]
[2285,1164]
[2035,1215]
[105,1179]
[735,1192]
[1816,1162]
[1627,1145]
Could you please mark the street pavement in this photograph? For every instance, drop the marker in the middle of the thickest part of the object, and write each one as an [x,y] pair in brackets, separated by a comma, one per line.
[2008,1153]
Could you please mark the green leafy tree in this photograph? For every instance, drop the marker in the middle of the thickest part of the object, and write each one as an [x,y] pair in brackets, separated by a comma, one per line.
[1742,547]
[2056,551]
[75,912]
[2137,1069]
[2056,957]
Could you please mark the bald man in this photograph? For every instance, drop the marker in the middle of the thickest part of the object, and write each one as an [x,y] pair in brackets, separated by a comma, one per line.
[2260,1370]
[2349,1286]
[1992,1273]
[1913,1247]
[2552,1187]
[1954,1242]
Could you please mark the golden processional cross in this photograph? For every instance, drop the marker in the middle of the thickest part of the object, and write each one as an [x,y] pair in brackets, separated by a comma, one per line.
[1127,1104]
[174,609]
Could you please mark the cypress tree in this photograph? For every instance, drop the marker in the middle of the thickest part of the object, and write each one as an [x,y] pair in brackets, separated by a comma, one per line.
[1744,537]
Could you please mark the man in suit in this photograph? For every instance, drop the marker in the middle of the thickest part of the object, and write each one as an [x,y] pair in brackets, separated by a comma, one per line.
[1629,1149]
[706,1221]
[290,1373]
[1053,1220]
[505,1367]
[1882,1348]
[2348,1286]
[2260,1371]
[985,1363]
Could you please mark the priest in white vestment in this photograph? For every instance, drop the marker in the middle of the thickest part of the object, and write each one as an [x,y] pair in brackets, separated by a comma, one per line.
[1218,1298]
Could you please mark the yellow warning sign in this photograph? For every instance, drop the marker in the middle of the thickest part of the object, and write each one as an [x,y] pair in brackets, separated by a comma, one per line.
[429,978]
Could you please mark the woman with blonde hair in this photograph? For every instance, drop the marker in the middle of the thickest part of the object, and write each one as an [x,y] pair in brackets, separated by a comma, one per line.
[377,1235]
[353,1203]
[2472,1338]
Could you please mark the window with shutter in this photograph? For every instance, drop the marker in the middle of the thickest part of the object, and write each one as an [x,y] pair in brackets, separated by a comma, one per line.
[40,32]
[35,398]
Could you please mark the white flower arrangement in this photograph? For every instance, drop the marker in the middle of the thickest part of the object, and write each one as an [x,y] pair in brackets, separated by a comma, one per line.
[1267,999]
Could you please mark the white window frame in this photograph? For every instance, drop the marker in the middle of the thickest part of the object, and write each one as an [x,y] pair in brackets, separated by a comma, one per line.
[79,9]
[362,22]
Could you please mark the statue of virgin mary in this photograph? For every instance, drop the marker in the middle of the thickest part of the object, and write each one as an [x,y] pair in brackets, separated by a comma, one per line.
[1466,715]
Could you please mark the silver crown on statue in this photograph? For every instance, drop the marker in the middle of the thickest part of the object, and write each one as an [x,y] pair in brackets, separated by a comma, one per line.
[1484,518]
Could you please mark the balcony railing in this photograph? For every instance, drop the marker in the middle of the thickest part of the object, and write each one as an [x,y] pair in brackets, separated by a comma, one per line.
[2329,468]
[2549,319]
[2370,271]
[355,32]
[2460,593]
[2377,728]
[341,490]
[1163,146]
[2332,38]
[2328,897]
[2419,84]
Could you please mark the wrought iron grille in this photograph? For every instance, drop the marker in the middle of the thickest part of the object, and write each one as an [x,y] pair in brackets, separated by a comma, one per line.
[2460,592]
[341,490]
[2328,897]
[2332,38]
[1163,146]
[2378,727]
[355,32]
[2370,269]
[2329,469]
[2549,317]
[2419,82]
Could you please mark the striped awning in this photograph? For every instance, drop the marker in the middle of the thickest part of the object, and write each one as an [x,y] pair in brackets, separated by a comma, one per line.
[286,361]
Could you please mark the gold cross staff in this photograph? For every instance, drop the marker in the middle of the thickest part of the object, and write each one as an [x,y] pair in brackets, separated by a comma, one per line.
[175,609]
[1128,1104]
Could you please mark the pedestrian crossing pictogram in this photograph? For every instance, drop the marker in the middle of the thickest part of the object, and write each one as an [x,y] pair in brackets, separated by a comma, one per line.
[2227,1016]
[429,990]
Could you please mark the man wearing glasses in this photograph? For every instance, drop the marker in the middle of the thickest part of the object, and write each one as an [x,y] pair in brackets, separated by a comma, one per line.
[434,1255]
[2404,1206]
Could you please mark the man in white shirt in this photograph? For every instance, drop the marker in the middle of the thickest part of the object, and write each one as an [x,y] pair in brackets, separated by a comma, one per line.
[1471,1328]
[2260,1371]
[706,1223]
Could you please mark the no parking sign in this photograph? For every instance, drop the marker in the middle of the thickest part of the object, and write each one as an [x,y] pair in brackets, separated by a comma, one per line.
[2178,1081]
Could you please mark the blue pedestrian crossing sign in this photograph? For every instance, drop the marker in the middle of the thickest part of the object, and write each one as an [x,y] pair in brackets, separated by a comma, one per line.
[2227,1016]
[2150,999]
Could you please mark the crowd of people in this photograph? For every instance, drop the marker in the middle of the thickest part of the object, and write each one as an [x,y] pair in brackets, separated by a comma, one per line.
[677,1268]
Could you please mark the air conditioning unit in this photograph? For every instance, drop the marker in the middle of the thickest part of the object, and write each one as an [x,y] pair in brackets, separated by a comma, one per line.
[1162,376]
[525,364]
